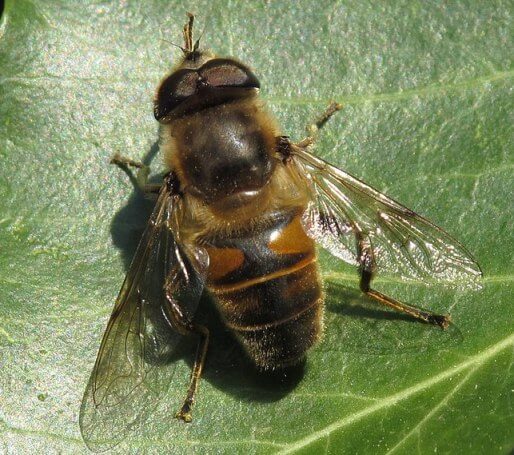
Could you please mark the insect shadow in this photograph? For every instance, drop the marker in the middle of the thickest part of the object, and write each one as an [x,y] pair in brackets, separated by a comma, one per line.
[227,367]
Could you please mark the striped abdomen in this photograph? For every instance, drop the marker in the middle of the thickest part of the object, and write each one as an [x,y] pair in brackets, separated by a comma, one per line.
[268,290]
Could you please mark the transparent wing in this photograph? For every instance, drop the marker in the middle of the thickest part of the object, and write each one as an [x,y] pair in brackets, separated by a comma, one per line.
[135,365]
[403,242]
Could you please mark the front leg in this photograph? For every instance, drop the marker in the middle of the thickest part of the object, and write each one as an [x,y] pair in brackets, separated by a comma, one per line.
[313,128]
[285,148]
[140,180]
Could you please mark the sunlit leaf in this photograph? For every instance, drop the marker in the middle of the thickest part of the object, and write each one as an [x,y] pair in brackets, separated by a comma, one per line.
[428,89]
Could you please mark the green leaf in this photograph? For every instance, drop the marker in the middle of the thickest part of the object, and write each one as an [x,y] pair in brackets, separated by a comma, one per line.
[428,119]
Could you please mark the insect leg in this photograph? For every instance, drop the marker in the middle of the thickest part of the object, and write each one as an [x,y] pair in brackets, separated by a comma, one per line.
[185,326]
[285,148]
[185,410]
[313,128]
[367,266]
[141,178]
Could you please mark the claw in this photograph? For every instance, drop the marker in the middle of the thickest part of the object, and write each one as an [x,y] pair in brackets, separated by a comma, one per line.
[441,320]
[185,413]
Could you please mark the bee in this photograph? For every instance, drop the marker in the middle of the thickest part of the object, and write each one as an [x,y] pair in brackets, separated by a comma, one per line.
[238,216]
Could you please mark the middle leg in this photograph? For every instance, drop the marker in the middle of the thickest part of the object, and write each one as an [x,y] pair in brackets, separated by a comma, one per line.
[186,327]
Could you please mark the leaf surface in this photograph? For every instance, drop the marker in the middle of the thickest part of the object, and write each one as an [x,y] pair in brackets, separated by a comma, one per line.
[429,119]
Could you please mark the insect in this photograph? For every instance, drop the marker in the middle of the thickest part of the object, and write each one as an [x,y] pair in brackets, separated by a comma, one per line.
[238,216]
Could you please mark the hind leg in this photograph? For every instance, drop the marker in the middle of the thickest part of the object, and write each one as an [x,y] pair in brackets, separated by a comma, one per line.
[366,269]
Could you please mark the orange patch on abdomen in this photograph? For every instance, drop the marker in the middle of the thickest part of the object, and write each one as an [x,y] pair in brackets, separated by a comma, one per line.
[292,239]
[222,261]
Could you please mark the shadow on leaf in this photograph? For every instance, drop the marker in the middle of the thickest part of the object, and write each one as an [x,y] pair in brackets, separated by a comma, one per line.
[227,367]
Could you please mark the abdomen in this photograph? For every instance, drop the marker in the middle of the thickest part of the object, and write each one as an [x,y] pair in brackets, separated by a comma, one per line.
[268,290]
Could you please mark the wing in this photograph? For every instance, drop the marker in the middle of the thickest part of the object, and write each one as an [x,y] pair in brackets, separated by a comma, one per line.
[134,366]
[403,242]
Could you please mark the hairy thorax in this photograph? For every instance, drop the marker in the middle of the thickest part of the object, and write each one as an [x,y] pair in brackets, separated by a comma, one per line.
[225,160]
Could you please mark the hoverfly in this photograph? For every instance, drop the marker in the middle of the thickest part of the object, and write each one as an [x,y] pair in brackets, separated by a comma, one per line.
[238,216]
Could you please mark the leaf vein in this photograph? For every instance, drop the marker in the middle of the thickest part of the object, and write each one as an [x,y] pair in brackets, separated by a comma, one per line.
[442,403]
[394,399]
[432,89]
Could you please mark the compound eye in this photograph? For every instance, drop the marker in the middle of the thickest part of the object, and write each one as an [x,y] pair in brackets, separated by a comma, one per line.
[223,72]
[174,90]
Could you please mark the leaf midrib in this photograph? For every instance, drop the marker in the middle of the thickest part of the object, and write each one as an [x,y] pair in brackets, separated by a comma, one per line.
[400,95]
[477,360]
